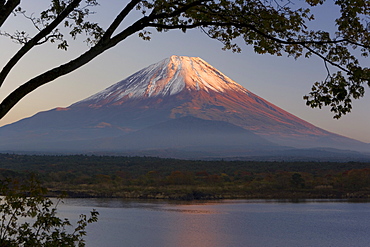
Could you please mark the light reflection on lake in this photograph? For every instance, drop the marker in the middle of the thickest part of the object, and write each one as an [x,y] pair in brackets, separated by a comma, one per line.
[223,223]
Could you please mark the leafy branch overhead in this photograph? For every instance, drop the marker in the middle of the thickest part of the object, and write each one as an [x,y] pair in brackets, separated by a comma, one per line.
[273,27]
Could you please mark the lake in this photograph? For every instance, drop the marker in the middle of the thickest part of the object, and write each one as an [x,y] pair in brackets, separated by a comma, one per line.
[223,223]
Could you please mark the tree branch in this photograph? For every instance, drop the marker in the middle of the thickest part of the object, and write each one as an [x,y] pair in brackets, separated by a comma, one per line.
[177,12]
[120,17]
[251,27]
[46,77]
[304,44]
[13,98]
[6,9]
[325,59]
[34,41]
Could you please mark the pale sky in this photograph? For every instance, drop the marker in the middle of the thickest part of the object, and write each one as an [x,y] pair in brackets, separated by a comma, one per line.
[282,81]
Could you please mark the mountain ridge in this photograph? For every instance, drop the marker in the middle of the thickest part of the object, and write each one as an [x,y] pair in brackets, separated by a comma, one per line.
[174,88]
[167,77]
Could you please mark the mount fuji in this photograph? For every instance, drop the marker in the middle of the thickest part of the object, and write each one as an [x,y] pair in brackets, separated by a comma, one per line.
[179,104]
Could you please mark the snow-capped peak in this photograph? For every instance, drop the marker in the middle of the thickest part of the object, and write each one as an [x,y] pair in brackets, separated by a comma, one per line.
[169,77]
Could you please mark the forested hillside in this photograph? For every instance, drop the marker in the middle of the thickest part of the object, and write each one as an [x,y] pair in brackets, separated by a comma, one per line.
[150,177]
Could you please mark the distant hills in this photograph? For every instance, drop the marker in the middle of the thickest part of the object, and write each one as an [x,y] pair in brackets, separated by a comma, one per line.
[178,107]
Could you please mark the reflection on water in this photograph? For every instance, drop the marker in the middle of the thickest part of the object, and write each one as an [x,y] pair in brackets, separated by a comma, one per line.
[194,226]
[226,223]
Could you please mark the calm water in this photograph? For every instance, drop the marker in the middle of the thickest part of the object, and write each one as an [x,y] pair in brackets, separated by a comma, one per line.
[226,223]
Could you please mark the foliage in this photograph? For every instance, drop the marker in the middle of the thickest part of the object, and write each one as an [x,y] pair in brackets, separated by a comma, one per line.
[28,218]
[149,177]
[273,27]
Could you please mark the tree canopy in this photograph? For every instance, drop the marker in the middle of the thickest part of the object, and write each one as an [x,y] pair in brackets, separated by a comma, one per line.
[277,27]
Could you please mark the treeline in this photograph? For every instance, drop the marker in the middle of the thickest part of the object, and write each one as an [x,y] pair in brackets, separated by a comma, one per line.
[150,177]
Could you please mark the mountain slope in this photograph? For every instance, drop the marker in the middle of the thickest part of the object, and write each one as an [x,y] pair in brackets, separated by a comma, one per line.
[189,132]
[171,89]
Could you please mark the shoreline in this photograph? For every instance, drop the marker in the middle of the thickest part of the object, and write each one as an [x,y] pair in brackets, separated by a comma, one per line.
[199,195]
